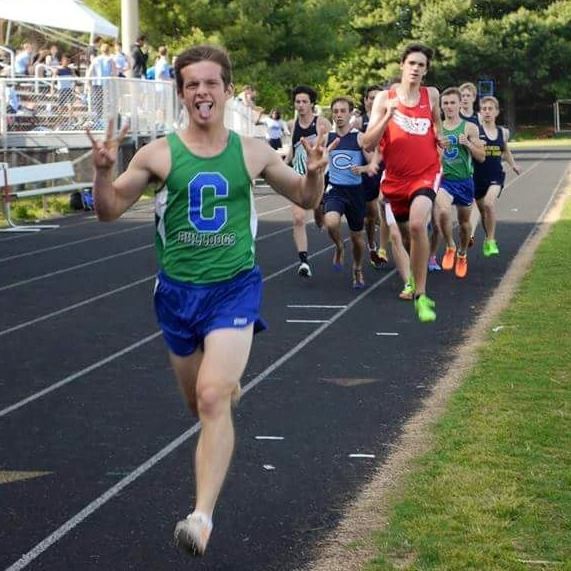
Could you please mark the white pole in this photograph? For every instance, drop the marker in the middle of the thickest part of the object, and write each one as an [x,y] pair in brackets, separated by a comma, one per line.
[129,25]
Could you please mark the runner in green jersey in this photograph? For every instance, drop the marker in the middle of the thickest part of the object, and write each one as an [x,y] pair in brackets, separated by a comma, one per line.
[457,185]
[208,288]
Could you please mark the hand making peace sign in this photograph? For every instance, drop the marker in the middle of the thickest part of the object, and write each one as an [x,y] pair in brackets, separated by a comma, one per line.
[105,152]
[318,152]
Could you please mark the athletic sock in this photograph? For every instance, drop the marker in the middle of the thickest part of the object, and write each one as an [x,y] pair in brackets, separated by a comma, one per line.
[302,257]
[202,516]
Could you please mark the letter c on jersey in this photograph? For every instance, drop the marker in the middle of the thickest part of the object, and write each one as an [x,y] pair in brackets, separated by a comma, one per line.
[452,152]
[341,161]
[198,187]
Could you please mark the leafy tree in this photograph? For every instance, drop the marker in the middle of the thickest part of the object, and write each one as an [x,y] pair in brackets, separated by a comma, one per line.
[522,46]
[339,46]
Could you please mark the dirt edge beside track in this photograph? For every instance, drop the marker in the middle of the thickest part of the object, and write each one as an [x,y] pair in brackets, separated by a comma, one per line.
[350,546]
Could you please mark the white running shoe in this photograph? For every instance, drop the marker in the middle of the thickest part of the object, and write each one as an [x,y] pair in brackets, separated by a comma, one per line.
[304,270]
[192,534]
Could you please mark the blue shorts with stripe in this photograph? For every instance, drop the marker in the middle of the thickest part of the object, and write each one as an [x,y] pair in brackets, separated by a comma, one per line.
[350,201]
[461,191]
[187,313]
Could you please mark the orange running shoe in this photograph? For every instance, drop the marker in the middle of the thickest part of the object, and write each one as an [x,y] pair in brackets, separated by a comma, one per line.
[461,267]
[448,259]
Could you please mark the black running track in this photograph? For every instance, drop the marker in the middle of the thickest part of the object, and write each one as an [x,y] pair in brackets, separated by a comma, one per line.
[95,442]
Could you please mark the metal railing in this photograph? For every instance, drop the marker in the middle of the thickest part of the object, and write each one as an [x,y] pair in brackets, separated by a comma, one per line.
[11,57]
[67,105]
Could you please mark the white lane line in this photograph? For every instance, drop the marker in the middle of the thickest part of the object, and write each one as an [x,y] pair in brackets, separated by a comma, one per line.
[106,258]
[307,320]
[108,293]
[75,305]
[120,353]
[140,207]
[270,438]
[73,243]
[70,524]
[386,333]
[274,233]
[73,522]
[288,207]
[77,374]
[295,306]
[76,267]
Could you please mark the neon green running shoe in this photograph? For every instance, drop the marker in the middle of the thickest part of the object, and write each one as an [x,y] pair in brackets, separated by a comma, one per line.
[485,248]
[424,307]
[493,249]
[408,290]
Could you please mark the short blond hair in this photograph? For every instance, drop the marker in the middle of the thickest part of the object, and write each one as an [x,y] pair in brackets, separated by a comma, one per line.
[490,99]
[470,87]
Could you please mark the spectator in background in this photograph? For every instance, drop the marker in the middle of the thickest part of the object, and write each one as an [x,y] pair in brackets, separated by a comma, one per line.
[40,65]
[162,73]
[23,60]
[276,129]
[52,58]
[139,57]
[121,60]
[93,50]
[162,66]
[66,86]
[102,67]
[248,96]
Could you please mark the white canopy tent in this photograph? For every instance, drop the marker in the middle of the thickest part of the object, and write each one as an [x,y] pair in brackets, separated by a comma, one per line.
[71,15]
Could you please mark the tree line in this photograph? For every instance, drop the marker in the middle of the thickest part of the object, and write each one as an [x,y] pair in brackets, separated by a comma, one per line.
[340,46]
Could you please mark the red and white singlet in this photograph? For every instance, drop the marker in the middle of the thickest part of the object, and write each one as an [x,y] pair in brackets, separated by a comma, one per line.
[410,154]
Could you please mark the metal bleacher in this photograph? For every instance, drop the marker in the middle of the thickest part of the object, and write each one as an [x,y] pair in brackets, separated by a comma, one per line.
[35,114]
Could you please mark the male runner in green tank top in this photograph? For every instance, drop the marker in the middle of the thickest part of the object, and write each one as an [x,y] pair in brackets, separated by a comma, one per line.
[208,290]
[457,185]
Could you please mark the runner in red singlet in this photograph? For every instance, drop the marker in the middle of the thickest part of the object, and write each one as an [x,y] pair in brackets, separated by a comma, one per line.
[405,122]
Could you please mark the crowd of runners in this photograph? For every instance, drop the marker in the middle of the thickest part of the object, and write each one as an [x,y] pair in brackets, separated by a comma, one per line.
[398,171]
[208,290]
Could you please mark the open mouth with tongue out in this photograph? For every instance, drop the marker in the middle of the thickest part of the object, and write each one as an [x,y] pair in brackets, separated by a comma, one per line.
[204,109]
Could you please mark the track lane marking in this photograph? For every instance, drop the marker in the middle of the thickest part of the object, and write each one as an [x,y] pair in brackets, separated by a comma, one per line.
[78,374]
[73,522]
[104,259]
[107,294]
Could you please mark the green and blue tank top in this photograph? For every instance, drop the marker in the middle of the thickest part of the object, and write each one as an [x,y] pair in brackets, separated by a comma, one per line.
[205,217]
[456,159]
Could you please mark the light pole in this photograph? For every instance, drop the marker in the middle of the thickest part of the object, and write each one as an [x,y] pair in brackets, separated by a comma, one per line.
[129,25]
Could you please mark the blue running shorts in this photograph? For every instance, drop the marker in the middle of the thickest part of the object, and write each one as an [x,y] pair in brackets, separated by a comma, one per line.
[461,191]
[187,313]
[350,201]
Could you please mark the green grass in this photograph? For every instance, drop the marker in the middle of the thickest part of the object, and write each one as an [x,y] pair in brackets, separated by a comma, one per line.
[543,143]
[494,493]
[56,205]
[34,208]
